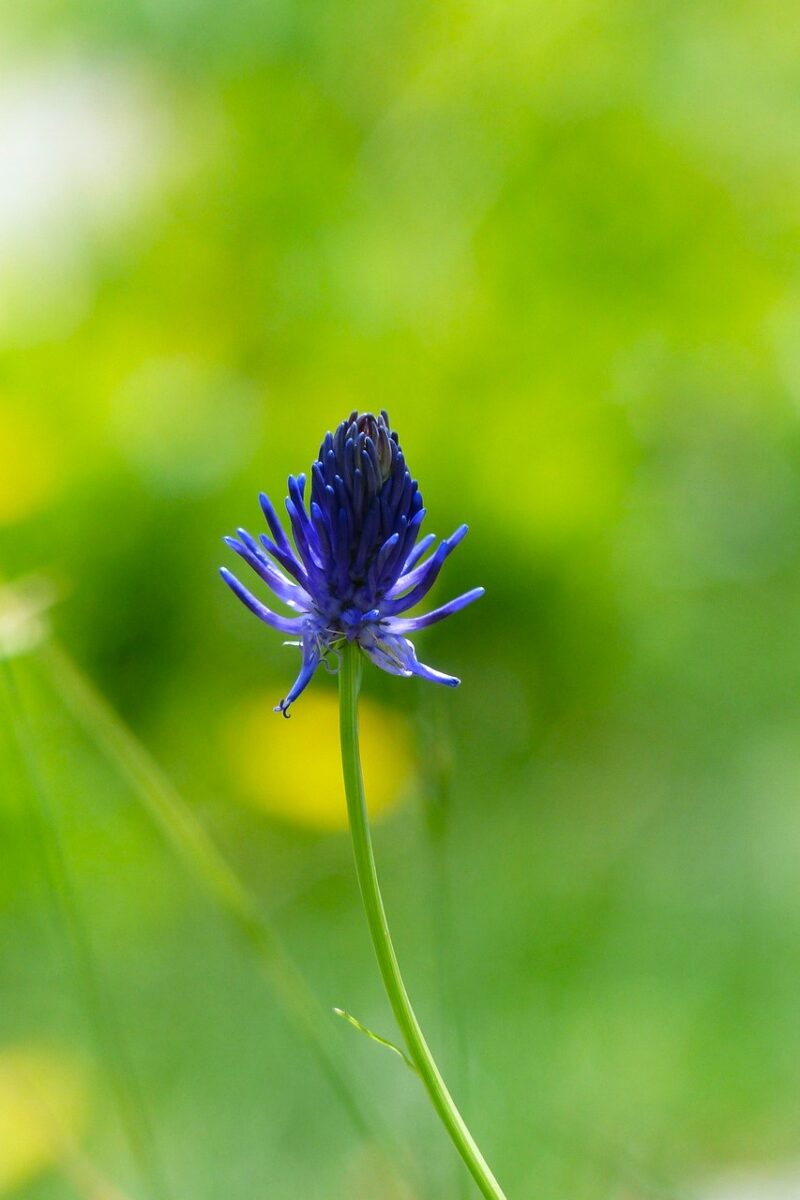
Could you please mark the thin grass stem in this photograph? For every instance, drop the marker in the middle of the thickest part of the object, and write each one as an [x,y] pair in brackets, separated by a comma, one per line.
[418,1049]
[102,1017]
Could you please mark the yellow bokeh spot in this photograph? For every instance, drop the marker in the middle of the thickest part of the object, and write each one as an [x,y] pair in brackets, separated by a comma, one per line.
[28,465]
[42,1109]
[292,770]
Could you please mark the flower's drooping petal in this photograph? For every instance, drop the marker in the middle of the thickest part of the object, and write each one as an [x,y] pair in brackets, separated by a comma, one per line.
[412,624]
[398,656]
[311,660]
[283,624]
[290,593]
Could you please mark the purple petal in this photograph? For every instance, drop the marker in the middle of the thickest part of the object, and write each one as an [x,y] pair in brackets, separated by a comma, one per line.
[275,526]
[254,556]
[411,579]
[287,560]
[412,624]
[397,656]
[310,663]
[418,551]
[299,517]
[385,550]
[305,537]
[409,532]
[283,624]
[429,574]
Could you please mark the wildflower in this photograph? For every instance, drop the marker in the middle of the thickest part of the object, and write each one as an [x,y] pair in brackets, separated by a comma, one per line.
[357,563]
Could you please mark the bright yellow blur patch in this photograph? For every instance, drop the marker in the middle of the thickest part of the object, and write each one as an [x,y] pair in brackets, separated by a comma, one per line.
[291,769]
[42,1109]
[28,466]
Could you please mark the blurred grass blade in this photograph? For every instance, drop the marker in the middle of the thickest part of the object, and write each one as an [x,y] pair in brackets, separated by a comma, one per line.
[100,1012]
[215,876]
[375,1037]
[86,1180]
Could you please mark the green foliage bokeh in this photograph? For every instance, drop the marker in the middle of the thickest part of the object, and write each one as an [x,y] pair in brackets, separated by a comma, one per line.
[558,243]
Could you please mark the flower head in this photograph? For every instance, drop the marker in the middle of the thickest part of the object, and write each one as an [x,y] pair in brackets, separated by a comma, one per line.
[357,562]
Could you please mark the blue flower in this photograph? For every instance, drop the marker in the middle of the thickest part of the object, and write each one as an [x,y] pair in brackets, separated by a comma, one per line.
[357,563]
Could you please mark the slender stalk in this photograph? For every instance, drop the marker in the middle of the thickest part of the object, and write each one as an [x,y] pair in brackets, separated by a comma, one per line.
[419,1052]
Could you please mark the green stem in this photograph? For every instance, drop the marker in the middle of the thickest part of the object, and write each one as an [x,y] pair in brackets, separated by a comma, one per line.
[419,1052]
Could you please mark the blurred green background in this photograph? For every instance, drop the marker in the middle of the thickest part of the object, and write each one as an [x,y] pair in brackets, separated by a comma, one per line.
[559,243]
